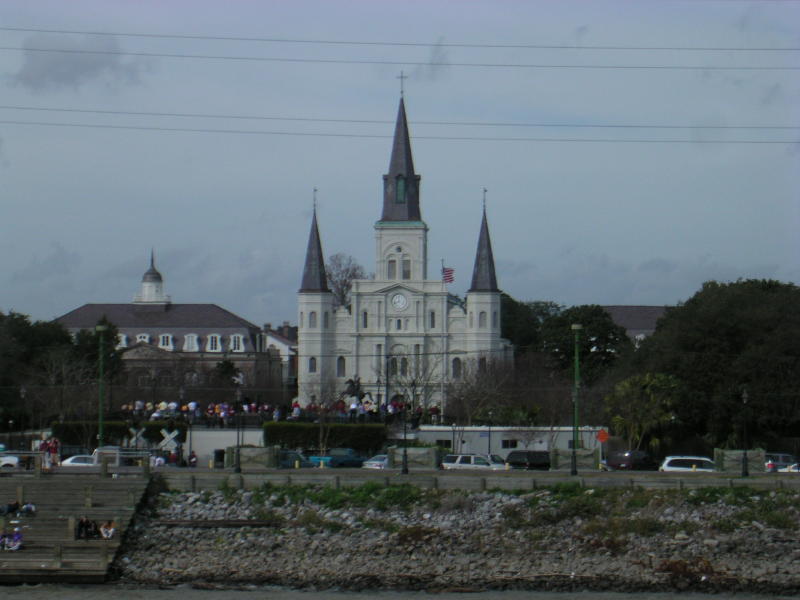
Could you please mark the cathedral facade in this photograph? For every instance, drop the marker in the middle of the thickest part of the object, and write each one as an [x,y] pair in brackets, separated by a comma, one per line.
[403,336]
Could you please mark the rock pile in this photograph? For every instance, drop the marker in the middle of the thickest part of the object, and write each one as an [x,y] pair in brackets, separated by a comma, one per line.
[548,539]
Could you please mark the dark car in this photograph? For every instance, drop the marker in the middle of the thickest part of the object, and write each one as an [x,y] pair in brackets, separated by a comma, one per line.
[631,460]
[345,457]
[529,459]
[289,459]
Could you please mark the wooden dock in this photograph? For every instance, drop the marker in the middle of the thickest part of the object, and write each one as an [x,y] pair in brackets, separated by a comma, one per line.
[51,552]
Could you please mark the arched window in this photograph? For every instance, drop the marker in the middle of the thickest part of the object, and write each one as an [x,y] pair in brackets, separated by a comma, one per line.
[340,366]
[393,366]
[400,196]
[482,319]
[404,366]
[494,320]
[312,365]
[399,324]
[456,368]
[312,319]
[433,319]
[406,268]
[391,269]
[326,320]
[364,320]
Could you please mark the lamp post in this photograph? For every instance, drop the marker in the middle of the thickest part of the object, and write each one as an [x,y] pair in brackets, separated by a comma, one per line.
[453,442]
[745,465]
[100,329]
[238,467]
[489,443]
[576,329]
[404,469]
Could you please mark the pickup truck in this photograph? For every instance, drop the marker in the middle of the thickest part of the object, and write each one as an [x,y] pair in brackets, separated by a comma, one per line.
[338,457]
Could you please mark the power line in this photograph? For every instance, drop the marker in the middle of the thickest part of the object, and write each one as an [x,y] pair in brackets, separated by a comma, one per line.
[405,63]
[402,44]
[384,122]
[375,136]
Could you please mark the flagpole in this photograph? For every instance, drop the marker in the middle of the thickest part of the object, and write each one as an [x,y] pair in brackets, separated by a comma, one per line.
[444,352]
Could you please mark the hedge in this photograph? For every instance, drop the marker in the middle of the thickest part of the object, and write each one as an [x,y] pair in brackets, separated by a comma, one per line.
[363,438]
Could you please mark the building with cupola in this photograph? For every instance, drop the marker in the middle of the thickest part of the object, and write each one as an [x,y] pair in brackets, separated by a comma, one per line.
[171,349]
[403,335]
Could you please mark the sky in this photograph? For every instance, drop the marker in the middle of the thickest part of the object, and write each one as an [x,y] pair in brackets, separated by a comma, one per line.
[631,150]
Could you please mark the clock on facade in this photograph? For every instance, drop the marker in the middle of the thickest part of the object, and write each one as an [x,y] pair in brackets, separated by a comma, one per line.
[399,301]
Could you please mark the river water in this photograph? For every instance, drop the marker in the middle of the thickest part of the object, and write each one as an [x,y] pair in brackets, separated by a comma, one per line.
[118,592]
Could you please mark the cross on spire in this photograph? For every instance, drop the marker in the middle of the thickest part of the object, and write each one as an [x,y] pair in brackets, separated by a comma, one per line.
[315,199]
[484,199]
[402,77]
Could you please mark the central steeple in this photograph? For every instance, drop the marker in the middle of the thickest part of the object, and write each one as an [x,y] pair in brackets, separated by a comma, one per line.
[401,184]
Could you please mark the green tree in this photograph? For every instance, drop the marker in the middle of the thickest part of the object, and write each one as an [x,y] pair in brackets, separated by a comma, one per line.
[601,341]
[87,349]
[521,322]
[640,405]
[727,338]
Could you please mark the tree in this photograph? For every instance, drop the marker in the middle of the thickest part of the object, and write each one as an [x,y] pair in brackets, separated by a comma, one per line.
[727,338]
[601,342]
[341,271]
[640,405]
[521,322]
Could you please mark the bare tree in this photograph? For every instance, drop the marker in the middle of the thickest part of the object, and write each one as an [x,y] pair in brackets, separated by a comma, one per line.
[482,389]
[341,270]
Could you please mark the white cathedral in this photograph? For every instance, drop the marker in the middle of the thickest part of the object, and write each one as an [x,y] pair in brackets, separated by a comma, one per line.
[403,335]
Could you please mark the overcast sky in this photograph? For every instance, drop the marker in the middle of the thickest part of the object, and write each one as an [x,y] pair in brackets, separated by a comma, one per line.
[641,215]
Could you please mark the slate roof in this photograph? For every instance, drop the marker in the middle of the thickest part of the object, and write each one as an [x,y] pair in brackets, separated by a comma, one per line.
[314,277]
[637,320]
[401,163]
[484,278]
[161,316]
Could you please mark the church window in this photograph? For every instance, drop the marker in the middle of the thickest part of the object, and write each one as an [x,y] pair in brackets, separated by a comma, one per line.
[122,340]
[237,343]
[391,269]
[213,343]
[190,342]
[364,320]
[142,337]
[482,319]
[312,319]
[400,197]
[393,366]
[456,368]
[399,324]
[404,366]
[494,320]
[165,341]
[326,320]
[406,268]
[433,319]
[312,365]
[340,366]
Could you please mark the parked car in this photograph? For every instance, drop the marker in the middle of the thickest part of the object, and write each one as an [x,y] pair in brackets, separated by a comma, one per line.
[79,460]
[529,459]
[795,468]
[777,461]
[291,459]
[379,461]
[7,461]
[473,462]
[339,457]
[631,460]
[687,463]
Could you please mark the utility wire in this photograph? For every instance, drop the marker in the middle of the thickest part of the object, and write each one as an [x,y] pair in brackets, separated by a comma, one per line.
[419,137]
[403,44]
[406,62]
[384,122]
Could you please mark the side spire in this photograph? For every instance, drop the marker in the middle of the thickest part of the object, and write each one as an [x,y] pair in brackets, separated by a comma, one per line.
[401,183]
[483,274]
[314,277]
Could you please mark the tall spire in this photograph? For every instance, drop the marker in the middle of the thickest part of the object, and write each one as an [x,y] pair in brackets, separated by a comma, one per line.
[401,184]
[314,278]
[483,275]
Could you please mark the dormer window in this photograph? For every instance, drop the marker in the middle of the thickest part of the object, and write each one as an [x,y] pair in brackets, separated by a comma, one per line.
[213,343]
[190,343]
[165,341]
[237,343]
[400,196]
[143,337]
[122,340]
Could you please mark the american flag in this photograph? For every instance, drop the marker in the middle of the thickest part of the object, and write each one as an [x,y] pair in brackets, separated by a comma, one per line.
[448,275]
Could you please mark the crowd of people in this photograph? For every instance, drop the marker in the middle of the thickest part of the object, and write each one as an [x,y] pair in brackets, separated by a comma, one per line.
[87,529]
[51,452]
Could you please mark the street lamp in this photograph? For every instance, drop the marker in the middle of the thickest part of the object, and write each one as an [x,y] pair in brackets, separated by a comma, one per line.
[100,329]
[576,329]
[453,441]
[745,465]
[239,435]
[404,469]
[489,444]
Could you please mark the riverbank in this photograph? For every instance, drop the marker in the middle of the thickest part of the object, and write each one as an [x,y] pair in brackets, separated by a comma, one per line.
[401,537]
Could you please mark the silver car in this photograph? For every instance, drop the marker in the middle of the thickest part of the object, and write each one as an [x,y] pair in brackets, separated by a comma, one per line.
[490,462]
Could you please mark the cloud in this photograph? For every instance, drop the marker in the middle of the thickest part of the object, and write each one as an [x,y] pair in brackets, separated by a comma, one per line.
[45,71]
[56,265]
